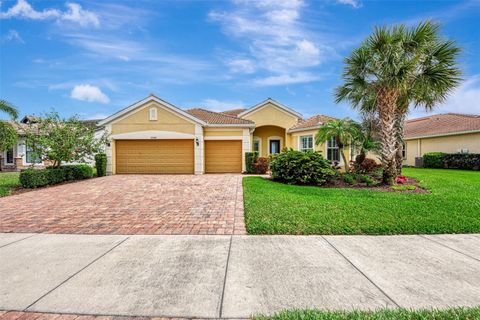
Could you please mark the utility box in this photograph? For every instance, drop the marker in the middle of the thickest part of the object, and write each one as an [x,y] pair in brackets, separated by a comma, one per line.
[419,162]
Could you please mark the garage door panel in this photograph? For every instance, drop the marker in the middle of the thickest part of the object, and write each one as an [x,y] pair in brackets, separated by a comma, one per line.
[223,156]
[155,156]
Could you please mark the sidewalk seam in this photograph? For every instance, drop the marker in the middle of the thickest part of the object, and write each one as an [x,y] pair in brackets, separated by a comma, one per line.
[77,272]
[225,278]
[361,272]
[17,240]
[448,247]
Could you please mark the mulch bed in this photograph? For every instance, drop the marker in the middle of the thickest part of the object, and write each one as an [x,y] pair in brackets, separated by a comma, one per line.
[381,187]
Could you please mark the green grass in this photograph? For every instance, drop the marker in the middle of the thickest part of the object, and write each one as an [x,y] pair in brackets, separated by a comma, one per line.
[398,314]
[452,206]
[8,180]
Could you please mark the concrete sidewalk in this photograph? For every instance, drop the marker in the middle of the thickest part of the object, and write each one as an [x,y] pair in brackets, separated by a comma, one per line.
[234,276]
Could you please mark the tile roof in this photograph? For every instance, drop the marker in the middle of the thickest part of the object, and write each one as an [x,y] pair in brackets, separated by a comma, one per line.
[441,124]
[233,112]
[311,122]
[212,117]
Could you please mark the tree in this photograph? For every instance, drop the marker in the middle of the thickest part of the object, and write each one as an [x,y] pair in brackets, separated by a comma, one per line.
[8,108]
[368,141]
[60,140]
[8,136]
[394,69]
[345,131]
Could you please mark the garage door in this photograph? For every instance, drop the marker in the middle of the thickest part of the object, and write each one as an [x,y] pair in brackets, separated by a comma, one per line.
[154,156]
[222,156]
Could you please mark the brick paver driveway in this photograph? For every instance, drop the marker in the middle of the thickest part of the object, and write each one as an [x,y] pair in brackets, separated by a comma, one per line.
[130,204]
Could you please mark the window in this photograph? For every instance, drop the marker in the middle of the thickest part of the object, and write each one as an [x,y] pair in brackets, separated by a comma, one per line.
[333,153]
[306,143]
[153,114]
[404,151]
[9,158]
[30,158]
[256,146]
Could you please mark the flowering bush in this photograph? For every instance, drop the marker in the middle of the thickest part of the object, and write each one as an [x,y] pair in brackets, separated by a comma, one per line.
[401,180]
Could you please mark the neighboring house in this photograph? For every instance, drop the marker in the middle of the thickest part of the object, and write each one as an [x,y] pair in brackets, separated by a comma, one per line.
[20,156]
[449,133]
[154,136]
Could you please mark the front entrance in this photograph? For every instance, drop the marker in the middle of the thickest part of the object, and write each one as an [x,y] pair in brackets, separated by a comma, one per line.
[274,146]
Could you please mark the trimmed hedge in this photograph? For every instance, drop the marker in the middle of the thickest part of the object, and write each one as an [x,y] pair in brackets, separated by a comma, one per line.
[465,161]
[101,164]
[250,159]
[33,178]
[433,159]
[297,167]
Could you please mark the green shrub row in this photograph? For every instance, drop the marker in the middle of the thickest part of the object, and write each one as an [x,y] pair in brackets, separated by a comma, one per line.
[250,159]
[297,167]
[101,164]
[433,159]
[465,161]
[33,178]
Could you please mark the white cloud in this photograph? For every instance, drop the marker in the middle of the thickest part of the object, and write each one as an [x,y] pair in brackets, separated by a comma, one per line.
[75,13]
[87,92]
[285,79]
[13,35]
[80,16]
[463,100]
[217,105]
[274,38]
[241,65]
[353,3]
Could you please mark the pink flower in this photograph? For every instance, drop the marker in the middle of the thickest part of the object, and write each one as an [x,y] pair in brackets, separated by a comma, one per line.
[401,180]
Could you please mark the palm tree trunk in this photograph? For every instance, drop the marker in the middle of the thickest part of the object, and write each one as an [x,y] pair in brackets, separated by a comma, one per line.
[387,101]
[399,127]
[345,162]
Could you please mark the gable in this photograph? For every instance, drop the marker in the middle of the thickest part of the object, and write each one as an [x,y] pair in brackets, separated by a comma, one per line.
[139,120]
[269,114]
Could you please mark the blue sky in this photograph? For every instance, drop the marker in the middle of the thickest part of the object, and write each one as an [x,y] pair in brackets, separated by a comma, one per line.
[93,58]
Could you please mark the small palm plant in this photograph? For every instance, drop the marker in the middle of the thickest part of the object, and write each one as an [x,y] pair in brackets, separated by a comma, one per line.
[346,132]
[394,69]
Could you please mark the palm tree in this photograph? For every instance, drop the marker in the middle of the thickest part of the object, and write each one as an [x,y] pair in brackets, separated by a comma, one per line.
[8,108]
[394,69]
[345,132]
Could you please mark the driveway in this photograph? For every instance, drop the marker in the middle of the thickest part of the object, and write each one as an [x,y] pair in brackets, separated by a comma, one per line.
[233,276]
[130,204]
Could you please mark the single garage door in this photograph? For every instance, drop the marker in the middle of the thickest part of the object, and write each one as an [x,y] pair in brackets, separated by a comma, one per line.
[223,156]
[154,156]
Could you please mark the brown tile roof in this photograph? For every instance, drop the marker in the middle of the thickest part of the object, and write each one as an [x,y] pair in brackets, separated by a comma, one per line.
[211,117]
[233,112]
[441,124]
[314,121]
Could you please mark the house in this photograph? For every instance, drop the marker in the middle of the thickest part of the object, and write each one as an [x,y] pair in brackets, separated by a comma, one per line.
[154,136]
[449,133]
[20,156]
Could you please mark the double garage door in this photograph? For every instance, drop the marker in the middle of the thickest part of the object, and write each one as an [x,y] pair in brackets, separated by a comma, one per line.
[176,156]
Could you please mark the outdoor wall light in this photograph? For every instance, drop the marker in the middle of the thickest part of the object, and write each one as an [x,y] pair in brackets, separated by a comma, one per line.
[197,142]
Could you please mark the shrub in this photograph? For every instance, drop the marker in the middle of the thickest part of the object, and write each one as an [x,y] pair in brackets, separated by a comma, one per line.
[101,164]
[466,161]
[433,159]
[296,167]
[32,178]
[367,180]
[250,158]
[366,166]
[348,178]
[261,165]
[401,179]
[404,187]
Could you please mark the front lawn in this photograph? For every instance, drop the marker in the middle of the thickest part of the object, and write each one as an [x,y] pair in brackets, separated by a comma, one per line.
[8,180]
[399,314]
[452,206]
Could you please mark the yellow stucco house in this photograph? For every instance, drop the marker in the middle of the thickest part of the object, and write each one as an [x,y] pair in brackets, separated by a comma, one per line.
[154,136]
[449,133]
